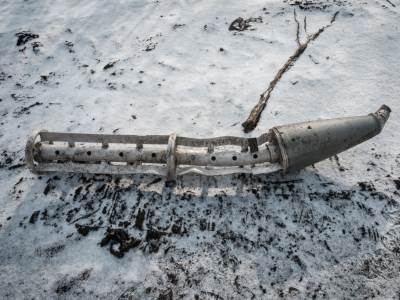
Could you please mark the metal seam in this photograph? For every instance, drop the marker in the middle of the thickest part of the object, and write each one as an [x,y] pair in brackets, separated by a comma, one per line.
[284,156]
[171,158]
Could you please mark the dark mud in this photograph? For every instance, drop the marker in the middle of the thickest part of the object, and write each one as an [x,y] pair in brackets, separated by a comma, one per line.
[11,160]
[26,110]
[68,283]
[24,37]
[241,24]
[50,252]
[85,229]
[119,240]
[110,65]
[263,218]
[69,46]
[34,217]
[4,76]
[317,4]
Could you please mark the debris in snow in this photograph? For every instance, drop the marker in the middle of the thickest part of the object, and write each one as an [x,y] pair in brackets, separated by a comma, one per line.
[166,295]
[157,180]
[36,47]
[13,167]
[112,86]
[140,219]
[50,185]
[241,24]
[153,234]
[176,26]
[68,283]
[397,183]
[120,241]
[4,76]
[6,159]
[51,251]
[85,229]
[34,217]
[110,64]
[45,79]
[151,46]
[26,110]
[70,46]
[316,4]
[299,262]
[25,36]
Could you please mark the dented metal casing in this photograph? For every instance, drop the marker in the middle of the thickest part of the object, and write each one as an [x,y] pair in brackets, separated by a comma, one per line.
[288,148]
[303,144]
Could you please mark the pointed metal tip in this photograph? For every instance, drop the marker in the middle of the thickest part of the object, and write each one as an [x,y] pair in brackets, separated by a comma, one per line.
[382,115]
[306,143]
[385,107]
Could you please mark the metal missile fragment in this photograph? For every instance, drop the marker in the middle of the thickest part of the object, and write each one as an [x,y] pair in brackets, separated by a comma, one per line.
[288,148]
[303,144]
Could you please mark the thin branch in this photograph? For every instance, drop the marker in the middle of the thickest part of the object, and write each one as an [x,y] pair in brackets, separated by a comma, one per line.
[391,3]
[305,25]
[315,35]
[298,28]
[255,113]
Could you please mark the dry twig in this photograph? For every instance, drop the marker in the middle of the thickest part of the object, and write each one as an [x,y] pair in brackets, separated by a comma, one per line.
[255,114]
[391,3]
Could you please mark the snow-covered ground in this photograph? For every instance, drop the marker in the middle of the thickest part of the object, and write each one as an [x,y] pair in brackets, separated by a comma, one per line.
[329,231]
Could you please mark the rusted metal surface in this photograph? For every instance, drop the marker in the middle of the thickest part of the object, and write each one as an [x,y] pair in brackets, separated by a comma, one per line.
[289,147]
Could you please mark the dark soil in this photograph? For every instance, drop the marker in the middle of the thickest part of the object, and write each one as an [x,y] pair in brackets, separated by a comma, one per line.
[25,36]
[241,24]
[34,217]
[120,238]
[85,229]
[68,283]
[317,4]
[25,110]
[110,65]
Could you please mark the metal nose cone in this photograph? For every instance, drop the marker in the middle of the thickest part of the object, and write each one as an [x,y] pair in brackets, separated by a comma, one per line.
[303,144]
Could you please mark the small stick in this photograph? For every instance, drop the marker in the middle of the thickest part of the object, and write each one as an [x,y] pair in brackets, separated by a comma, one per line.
[255,113]
[391,3]
[297,30]
[305,25]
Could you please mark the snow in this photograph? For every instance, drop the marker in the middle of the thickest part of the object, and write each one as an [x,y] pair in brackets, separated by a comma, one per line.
[328,231]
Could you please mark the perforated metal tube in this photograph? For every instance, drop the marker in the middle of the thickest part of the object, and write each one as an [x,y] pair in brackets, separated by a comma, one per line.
[288,147]
[108,154]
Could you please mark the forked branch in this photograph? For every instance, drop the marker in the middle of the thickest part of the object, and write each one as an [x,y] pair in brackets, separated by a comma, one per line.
[255,113]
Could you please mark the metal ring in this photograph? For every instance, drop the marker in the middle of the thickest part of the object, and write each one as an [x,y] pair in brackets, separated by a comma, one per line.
[29,151]
[284,156]
[171,158]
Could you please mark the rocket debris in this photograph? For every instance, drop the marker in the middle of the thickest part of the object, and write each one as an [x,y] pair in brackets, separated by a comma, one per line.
[287,148]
